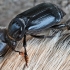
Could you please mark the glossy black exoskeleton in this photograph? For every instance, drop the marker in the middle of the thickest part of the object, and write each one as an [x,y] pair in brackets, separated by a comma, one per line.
[3,45]
[32,22]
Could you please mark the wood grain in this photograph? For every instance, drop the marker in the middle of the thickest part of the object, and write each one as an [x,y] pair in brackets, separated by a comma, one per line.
[44,54]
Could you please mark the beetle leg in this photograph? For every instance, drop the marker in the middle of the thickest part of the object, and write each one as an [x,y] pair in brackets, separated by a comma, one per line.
[42,36]
[68,24]
[21,53]
[60,26]
[25,52]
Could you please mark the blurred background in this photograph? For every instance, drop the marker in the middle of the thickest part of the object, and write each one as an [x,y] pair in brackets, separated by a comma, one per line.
[10,8]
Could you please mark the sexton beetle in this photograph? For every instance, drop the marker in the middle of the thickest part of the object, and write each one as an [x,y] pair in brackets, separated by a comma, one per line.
[30,22]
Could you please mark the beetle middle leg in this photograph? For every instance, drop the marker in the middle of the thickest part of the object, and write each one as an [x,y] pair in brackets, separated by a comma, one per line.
[41,36]
[60,26]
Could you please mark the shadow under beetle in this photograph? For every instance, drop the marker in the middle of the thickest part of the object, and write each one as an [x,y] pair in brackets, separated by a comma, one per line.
[30,22]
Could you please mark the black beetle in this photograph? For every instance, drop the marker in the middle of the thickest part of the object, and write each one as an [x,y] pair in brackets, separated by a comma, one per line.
[31,22]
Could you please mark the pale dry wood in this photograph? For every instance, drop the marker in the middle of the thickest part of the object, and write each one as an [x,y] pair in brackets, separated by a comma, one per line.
[44,54]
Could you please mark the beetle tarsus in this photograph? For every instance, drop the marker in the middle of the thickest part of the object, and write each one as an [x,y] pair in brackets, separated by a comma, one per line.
[21,53]
[26,60]
[25,52]
[25,56]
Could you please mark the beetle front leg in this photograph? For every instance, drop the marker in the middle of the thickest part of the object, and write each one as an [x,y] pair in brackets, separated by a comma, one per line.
[25,51]
[20,53]
[13,46]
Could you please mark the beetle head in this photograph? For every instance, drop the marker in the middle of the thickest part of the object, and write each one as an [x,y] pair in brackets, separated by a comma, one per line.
[16,29]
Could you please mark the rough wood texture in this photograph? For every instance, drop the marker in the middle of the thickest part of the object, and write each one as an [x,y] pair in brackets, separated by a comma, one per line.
[44,54]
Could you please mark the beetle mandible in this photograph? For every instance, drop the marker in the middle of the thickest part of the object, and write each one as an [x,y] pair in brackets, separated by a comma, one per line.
[31,22]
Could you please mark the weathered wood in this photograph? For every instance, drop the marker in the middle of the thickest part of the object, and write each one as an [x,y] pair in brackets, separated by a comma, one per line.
[44,54]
